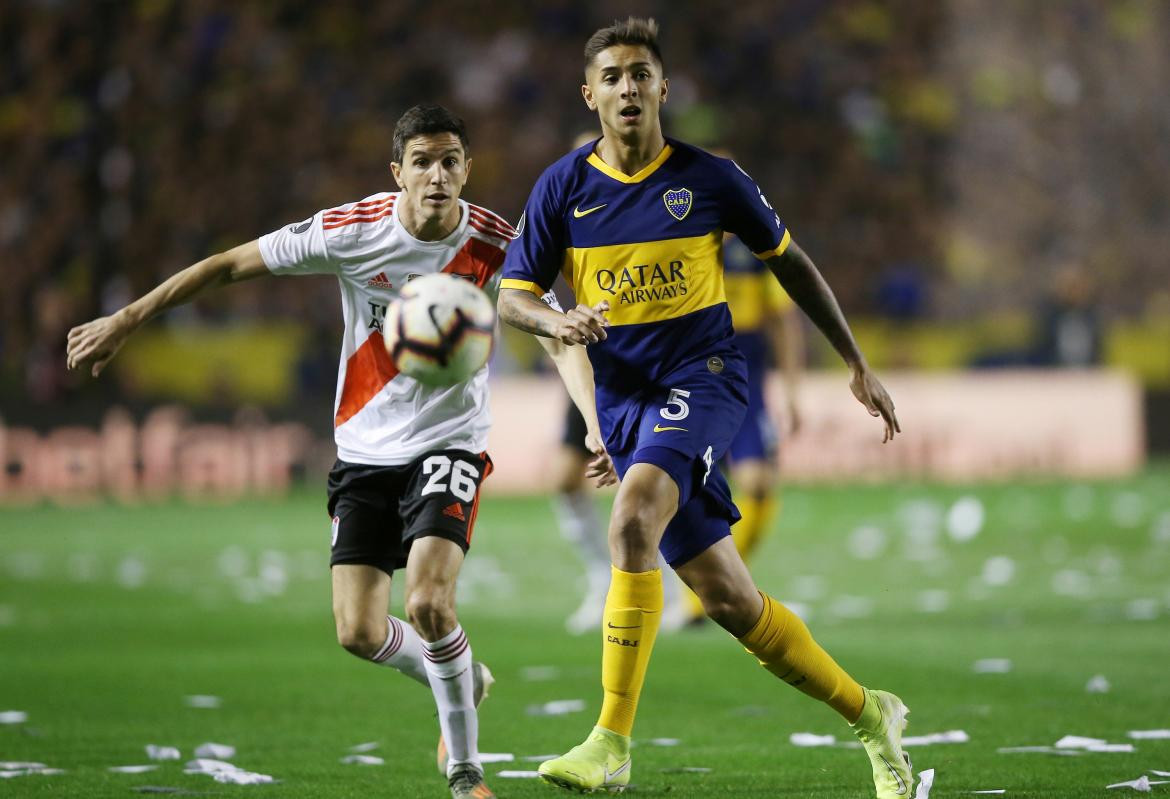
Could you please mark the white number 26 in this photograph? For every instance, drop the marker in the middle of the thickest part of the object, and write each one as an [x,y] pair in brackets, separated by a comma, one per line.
[462,473]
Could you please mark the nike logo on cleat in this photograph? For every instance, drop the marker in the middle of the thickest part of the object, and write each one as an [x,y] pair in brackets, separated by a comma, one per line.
[896,776]
[578,213]
[622,769]
[660,428]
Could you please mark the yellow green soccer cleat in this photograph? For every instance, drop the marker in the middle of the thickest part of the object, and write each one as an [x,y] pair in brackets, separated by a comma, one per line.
[481,683]
[602,763]
[880,731]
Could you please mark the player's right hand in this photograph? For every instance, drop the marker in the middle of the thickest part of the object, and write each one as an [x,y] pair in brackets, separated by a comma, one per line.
[601,467]
[584,324]
[95,343]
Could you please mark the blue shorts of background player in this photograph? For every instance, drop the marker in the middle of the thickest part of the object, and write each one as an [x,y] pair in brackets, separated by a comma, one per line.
[684,425]
[757,438]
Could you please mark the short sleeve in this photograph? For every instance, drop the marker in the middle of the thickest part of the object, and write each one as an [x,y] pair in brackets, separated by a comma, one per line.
[550,299]
[297,249]
[747,214]
[534,257]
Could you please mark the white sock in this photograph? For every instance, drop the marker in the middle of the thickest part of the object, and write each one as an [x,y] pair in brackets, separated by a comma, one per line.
[577,517]
[448,664]
[402,651]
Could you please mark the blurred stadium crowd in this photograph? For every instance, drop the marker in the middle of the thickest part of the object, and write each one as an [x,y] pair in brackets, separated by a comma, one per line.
[941,163]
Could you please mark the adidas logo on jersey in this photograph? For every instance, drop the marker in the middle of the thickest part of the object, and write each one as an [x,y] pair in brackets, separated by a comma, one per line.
[379,281]
[455,511]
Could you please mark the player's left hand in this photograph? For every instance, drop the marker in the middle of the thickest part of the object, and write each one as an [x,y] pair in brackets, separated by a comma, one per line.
[584,324]
[601,467]
[872,394]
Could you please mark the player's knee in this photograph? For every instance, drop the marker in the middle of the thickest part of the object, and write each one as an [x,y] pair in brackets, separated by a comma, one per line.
[361,637]
[728,606]
[431,610]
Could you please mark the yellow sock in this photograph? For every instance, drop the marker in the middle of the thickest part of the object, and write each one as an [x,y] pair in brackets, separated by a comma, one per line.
[633,610]
[749,531]
[784,646]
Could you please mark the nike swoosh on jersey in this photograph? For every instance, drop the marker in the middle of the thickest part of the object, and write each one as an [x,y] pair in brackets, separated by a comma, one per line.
[659,428]
[578,213]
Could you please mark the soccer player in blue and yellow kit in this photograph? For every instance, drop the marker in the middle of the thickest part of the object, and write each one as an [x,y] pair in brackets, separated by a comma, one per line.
[636,223]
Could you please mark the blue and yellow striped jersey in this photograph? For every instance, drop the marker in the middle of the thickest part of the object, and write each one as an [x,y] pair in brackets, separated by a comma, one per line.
[652,245]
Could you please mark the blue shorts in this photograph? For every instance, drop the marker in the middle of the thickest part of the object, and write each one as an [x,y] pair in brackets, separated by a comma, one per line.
[757,438]
[684,427]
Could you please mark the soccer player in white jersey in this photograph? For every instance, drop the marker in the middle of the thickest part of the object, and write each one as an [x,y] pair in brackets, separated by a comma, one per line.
[405,489]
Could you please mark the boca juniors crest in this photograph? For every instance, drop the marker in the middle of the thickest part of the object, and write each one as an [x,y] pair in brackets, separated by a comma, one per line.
[678,202]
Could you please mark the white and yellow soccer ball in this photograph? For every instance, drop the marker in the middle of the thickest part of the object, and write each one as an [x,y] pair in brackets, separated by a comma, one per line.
[439,330]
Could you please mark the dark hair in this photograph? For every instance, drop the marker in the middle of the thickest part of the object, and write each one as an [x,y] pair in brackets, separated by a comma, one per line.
[425,119]
[635,31]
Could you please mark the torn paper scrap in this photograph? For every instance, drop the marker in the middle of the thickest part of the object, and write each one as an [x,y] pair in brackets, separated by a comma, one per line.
[132,769]
[1078,742]
[993,791]
[496,757]
[948,737]
[1044,750]
[811,739]
[225,772]
[206,765]
[1097,684]
[539,758]
[925,783]
[511,774]
[664,742]
[214,750]
[13,717]
[363,760]
[1142,784]
[539,673]
[155,752]
[557,707]
[992,666]
[16,765]
[205,701]
[9,769]
[1149,735]
[242,777]
[368,746]
[1157,773]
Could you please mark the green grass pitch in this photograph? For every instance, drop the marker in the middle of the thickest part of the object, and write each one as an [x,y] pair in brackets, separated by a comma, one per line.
[110,616]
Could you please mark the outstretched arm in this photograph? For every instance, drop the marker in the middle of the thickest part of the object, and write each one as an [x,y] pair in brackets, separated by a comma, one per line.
[94,343]
[803,281]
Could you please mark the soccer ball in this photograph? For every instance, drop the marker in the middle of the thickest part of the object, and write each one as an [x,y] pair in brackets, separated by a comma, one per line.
[439,330]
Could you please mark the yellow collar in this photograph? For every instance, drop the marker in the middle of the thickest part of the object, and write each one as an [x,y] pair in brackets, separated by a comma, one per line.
[643,173]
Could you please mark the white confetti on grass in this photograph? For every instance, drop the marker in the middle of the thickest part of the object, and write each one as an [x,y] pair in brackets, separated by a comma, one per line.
[686,770]
[664,741]
[557,707]
[132,769]
[155,752]
[1098,684]
[363,760]
[1151,735]
[1141,784]
[1144,609]
[496,757]
[13,717]
[214,750]
[867,542]
[539,673]
[12,768]
[965,518]
[933,600]
[948,737]
[224,772]
[999,570]
[513,774]
[368,746]
[1040,750]
[203,701]
[992,791]
[925,783]
[992,666]
[810,739]
[1091,744]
